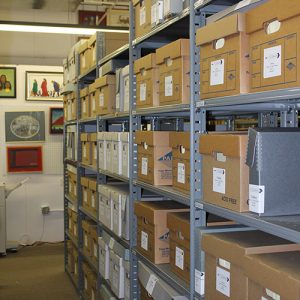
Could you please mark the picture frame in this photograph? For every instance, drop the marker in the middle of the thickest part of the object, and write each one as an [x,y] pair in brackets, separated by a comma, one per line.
[24,159]
[56,119]
[43,86]
[8,82]
[25,126]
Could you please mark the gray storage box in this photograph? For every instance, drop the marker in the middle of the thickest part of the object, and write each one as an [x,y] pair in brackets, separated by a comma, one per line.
[103,243]
[111,66]
[273,158]
[161,290]
[172,7]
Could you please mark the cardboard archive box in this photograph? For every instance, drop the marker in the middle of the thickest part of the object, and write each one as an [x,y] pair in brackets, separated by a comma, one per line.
[85,192]
[142,12]
[74,220]
[109,151]
[225,173]
[117,17]
[76,274]
[273,276]
[86,270]
[93,199]
[273,160]
[174,62]
[105,92]
[224,52]
[153,287]
[172,7]
[84,57]
[103,243]
[102,150]
[67,108]
[109,42]
[92,43]
[122,89]
[86,148]
[274,37]
[93,98]
[71,136]
[66,78]
[112,66]
[94,244]
[116,162]
[70,257]
[105,293]
[92,278]
[72,175]
[93,141]
[85,103]
[72,106]
[125,153]
[153,233]
[154,157]
[157,12]
[225,257]
[87,227]
[70,226]
[180,143]
[147,81]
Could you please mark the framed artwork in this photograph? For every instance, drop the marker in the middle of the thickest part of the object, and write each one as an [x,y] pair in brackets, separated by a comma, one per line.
[44,86]
[91,18]
[8,82]
[25,126]
[24,159]
[56,120]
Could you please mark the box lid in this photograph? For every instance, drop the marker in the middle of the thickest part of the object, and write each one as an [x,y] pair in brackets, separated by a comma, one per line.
[153,138]
[92,88]
[278,272]
[84,92]
[92,39]
[155,211]
[180,223]
[83,47]
[221,29]
[178,139]
[173,50]
[125,71]
[272,10]
[125,136]
[115,136]
[93,136]
[147,62]
[232,145]
[233,246]
[105,80]
[84,181]
[84,137]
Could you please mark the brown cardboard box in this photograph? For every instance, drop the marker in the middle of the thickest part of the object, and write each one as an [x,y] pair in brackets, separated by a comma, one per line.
[72,185]
[93,54]
[106,94]
[180,143]
[93,285]
[66,107]
[87,227]
[274,57]
[225,173]
[147,81]
[93,196]
[85,192]
[85,103]
[70,226]
[142,12]
[75,255]
[94,244]
[86,148]
[273,276]
[153,233]
[74,219]
[85,57]
[93,96]
[73,103]
[113,41]
[224,70]
[154,157]
[93,140]
[174,67]
[86,270]
[225,256]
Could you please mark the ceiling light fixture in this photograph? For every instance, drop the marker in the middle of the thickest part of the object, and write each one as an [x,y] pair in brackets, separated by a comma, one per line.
[57,28]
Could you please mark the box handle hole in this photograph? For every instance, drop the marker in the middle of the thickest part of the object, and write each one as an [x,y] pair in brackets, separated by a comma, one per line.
[272,26]
[219,44]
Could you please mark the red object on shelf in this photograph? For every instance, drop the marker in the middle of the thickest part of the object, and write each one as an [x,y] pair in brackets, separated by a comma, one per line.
[24,159]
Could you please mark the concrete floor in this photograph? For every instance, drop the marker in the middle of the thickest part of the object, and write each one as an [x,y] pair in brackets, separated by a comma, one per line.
[35,272]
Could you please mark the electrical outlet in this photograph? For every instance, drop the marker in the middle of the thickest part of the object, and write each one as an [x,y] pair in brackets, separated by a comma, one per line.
[45,209]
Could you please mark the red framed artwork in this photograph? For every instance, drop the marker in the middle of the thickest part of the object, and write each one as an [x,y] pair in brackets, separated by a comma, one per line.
[24,159]
[56,120]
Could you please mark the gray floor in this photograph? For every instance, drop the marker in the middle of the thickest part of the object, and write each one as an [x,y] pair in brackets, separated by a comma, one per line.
[35,272]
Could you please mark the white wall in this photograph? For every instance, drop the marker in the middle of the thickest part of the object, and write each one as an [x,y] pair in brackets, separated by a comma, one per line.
[24,218]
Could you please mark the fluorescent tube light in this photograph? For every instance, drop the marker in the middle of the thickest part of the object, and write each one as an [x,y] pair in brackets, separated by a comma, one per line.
[57,28]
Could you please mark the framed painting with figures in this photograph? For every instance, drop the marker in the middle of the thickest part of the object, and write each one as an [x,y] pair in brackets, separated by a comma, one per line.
[44,86]
[8,82]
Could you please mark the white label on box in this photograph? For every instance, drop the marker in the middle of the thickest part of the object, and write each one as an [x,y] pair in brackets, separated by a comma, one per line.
[179,258]
[257,198]
[101,100]
[167,6]
[169,86]
[219,180]
[181,173]
[84,151]
[224,263]
[159,11]
[272,62]
[142,15]
[144,166]
[111,243]
[144,240]
[153,14]
[272,294]
[151,284]
[217,72]
[143,91]
[93,103]
[85,283]
[199,282]
[85,240]
[223,281]
[95,250]
[93,201]
[85,196]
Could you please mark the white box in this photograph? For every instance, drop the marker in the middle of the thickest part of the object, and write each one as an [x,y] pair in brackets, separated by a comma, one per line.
[104,193]
[108,213]
[172,7]
[71,142]
[125,153]
[116,153]
[126,280]
[157,12]
[116,274]
[103,258]
[109,152]
[102,150]
[124,91]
